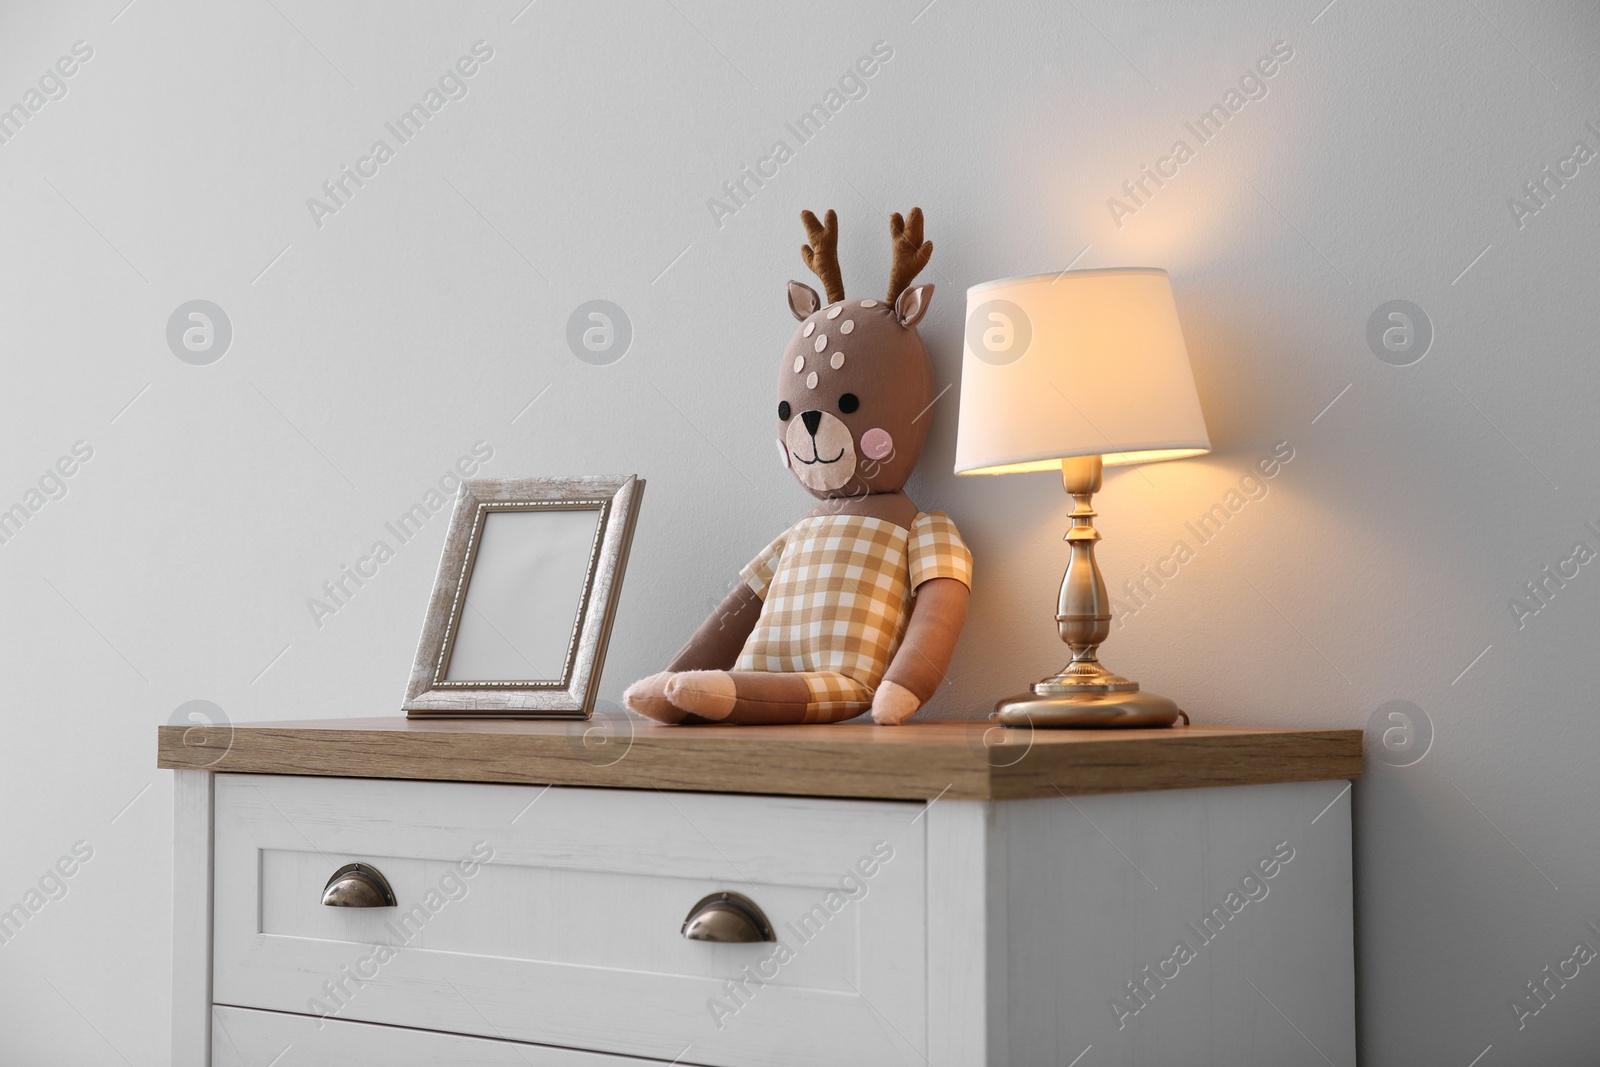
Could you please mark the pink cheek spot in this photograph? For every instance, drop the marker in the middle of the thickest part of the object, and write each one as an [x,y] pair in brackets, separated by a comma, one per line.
[877,443]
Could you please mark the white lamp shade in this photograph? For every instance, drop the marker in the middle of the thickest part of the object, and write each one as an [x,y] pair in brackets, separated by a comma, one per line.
[1077,363]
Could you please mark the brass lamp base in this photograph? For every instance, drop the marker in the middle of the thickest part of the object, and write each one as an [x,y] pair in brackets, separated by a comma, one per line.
[1100,710]
[1085,695]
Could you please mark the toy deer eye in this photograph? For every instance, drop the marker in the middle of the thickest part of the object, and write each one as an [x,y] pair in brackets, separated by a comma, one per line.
[783,410]
[849,402]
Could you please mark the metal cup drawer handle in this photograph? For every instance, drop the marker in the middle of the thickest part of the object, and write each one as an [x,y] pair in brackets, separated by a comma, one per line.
[728,918]
[358,885]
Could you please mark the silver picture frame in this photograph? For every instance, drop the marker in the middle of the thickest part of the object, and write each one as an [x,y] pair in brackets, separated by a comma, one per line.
[563,683]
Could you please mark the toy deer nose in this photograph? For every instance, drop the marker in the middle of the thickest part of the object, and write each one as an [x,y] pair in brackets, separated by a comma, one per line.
[812,419]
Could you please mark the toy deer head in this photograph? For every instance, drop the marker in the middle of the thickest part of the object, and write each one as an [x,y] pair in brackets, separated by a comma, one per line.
[855,384]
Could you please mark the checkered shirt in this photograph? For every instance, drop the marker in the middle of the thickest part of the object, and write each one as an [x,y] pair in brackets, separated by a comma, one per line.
[836,592]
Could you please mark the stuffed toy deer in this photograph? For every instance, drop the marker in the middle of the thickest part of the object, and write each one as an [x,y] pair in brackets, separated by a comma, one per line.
[859,604]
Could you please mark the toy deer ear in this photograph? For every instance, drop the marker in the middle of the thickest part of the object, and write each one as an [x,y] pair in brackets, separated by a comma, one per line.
[803,300]
[912,304]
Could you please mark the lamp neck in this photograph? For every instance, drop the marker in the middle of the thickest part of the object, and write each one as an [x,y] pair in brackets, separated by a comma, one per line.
[1081,476]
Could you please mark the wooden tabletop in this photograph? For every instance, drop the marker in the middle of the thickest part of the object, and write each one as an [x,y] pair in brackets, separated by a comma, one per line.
[917,761]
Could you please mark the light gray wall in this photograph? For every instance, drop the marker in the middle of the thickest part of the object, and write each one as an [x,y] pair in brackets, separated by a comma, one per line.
[371,351]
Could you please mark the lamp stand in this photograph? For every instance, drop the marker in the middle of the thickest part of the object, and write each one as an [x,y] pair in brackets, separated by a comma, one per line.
[1085,694]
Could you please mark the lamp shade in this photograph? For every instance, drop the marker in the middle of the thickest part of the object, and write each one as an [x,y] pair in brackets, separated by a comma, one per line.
[1077,363]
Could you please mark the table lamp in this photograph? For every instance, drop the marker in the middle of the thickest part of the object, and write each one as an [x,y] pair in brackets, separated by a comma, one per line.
[1071,371]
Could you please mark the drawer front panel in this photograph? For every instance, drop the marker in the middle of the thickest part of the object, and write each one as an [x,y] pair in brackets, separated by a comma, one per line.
[241,1037]
[553,915]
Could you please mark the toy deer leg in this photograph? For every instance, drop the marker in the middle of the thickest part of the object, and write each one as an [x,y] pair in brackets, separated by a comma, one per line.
[768,697]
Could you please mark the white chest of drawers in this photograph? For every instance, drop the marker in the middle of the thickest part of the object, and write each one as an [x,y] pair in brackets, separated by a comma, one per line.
[931,900]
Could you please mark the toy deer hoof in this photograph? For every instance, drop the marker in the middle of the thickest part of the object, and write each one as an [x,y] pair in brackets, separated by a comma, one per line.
[708,694]
[893,704]
[648,697]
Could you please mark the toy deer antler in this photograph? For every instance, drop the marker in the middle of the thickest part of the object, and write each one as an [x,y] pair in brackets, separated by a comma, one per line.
[911,252]
[822,253]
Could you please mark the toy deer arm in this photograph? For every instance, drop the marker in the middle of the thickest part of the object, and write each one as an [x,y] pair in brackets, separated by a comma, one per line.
[716,645]
[937,615]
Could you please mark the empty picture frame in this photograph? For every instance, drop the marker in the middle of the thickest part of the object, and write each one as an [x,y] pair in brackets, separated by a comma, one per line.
[526,595]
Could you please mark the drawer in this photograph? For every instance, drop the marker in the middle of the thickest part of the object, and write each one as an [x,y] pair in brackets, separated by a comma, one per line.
[553,916]
[241,1037]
